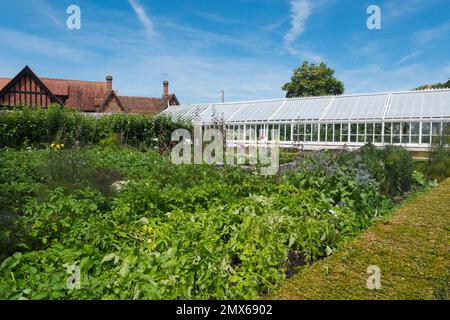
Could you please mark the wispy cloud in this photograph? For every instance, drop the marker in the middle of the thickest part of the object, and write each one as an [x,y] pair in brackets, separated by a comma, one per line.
[217,18]
[428,35]
[23,42]
[410,56]
[144,18]
[300,12]
[398,8]
[372,78]
[44,8]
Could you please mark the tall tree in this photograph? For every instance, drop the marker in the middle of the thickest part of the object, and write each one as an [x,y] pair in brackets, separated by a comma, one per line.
[313,80]
[435,86]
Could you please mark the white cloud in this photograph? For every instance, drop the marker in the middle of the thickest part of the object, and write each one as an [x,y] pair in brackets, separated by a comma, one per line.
[300,12]
[25,43]
[144,18]
[373,78]
[399,8]
[410,56]
[428,35]
[305,54]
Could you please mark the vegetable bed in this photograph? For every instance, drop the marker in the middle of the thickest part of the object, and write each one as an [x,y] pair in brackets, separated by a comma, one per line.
[167,231]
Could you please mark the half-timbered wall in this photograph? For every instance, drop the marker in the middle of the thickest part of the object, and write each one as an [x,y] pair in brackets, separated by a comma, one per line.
[26,90]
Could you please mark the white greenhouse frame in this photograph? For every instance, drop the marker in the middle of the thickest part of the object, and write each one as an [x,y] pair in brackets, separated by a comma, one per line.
[412,119]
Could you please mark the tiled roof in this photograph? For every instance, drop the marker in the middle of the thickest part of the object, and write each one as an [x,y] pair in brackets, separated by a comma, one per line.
[145,105]
[4,82]
[89,95]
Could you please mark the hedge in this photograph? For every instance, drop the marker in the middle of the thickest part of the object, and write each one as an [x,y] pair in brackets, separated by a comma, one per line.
[37,127]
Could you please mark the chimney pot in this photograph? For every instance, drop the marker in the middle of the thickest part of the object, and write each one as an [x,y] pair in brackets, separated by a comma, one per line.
[109,80]
[166,88]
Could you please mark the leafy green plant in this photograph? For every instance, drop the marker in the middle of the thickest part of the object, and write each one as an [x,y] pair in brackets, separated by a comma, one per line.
[36,127]
[179,232]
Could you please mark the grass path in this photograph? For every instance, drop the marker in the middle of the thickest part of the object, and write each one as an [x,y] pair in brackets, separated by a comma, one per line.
[411,247]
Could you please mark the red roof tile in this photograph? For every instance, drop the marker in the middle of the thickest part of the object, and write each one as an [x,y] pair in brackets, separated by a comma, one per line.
[4,82]
[89,96]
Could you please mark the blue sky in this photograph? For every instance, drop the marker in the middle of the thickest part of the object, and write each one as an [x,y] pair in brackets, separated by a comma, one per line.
[246,47]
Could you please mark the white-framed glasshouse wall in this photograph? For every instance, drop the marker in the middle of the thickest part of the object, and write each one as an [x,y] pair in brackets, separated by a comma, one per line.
[412,119]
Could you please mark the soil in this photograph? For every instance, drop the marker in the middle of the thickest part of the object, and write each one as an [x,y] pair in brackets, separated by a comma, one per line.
[295,260]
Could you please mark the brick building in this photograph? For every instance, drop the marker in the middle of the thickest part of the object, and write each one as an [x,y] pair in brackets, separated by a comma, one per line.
[26,88]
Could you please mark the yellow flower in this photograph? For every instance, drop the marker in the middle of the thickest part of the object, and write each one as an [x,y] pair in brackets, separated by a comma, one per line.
[58,146]
[52,145]
[62,145]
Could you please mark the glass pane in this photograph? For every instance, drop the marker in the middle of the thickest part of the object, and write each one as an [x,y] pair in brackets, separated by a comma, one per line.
[288,132]
[414,139]
[405,128]
[337,132]
[405,138]
[446,132]
[345,129]
[425,128]
[396,132]
[345,132]
[308,133]
[387,132]
[446,128]
[323,133]
[436,129]
[415,126]
[436,139]
[282,132]
[387,128]
[308,129]
[315,131]
[330,133]
[362,129]
[369,129]
[361,138]
[378,127]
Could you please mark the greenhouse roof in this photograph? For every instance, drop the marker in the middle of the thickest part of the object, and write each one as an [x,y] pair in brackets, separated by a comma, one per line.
[429,104]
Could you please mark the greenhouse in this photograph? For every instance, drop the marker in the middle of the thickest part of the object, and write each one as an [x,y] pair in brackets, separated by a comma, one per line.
[413,119]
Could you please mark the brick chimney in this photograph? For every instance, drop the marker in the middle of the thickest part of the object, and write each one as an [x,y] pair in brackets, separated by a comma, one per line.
[166,88]
[109,80]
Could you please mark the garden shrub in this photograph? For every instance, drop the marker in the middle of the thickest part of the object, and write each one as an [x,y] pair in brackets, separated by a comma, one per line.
[398,170]
[438,166]
[391,167]
[37,127]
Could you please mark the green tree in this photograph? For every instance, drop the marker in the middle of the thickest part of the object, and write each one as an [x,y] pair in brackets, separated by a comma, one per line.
[435,86]
[313,80]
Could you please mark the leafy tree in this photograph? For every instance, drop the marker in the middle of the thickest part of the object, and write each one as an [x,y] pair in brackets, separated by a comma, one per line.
[436,85]
[313,80]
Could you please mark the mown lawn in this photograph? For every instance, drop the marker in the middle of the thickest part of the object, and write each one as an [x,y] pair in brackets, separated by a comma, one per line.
[411,247]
